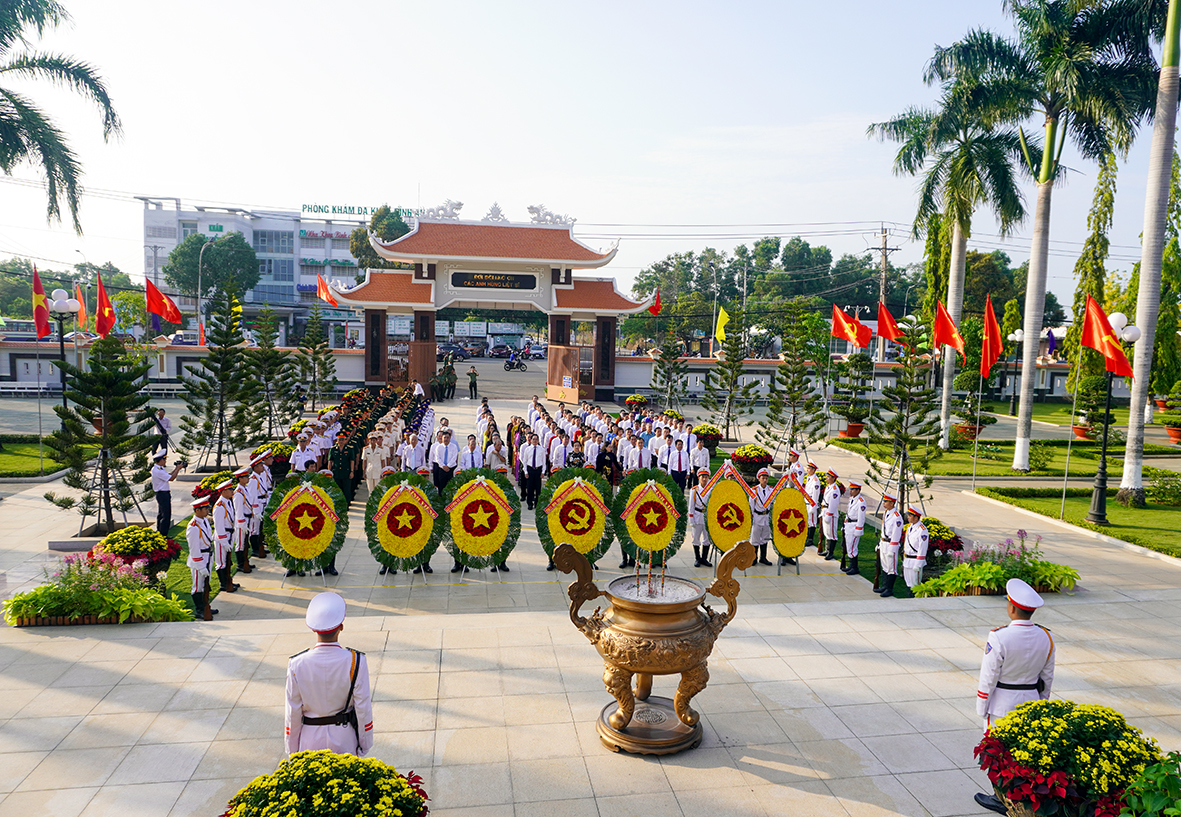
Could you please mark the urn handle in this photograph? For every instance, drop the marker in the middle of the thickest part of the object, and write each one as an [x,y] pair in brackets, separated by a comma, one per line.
[725,586]
[567,559]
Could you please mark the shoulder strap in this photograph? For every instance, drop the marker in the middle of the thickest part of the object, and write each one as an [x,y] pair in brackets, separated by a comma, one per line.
[301,652]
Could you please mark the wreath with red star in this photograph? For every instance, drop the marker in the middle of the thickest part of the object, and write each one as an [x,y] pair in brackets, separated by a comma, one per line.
[490,512]
[440,528]
[270,530]
[619,505]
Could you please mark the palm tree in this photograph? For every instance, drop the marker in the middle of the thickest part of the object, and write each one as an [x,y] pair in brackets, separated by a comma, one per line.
[1075,65]
[26,133]
[966,164]
[1162,19]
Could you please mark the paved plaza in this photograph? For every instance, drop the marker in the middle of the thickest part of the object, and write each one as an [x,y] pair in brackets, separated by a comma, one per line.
[823,699]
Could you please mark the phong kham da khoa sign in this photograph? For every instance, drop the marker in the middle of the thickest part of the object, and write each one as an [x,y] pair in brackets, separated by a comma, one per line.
[493,280]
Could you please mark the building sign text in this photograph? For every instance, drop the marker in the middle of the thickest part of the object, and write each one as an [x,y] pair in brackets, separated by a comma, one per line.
[493,280]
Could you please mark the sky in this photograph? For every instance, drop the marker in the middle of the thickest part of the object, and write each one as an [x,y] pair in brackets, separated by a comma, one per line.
[668,126]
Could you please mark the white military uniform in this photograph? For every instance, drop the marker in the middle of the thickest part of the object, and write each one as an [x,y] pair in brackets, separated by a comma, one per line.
[914,554]
[812,489]
[223,530]
[854,524]
[1019,655]
[199,535]
[760,521]
[318,687]
[243,514]
[832,509]
[890,541]
[258,501]
[698,503]
[371,461]
[796,469]
[300,457]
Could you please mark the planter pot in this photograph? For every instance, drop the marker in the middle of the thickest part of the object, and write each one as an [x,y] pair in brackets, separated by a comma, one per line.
[1081,432]
[1174,433]
[62,621]
[1161,404]
[852,430]
[977,591]
[1016,809]
[711,447]
[969,431]
[748,470]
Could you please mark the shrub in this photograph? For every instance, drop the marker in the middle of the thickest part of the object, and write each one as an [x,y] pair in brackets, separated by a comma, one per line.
[636,400]
[1164,486]
[1156,791]
[135,541]
[1039,456]
[752,455]
[205,487]
[280,450]
[708,433]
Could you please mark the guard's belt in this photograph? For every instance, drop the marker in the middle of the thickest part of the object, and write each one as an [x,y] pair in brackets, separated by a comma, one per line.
[1040,686]
[761,513]
[343,718]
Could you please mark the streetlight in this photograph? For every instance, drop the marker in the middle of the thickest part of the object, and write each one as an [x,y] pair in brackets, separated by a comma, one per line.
[1016,338]
[1098,513]
[200,256]
[61,308]
[712,329]
[906,300]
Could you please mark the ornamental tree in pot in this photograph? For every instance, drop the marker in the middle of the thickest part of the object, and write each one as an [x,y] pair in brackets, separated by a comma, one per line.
[968,408]
[1092,399]
[1171,417]
[854,375]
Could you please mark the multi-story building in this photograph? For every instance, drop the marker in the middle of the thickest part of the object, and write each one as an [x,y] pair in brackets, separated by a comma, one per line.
[292,247]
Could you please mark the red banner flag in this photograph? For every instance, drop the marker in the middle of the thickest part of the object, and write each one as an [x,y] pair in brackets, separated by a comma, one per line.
[160,304]
[40,307]
[104,319]
[323,292]
[850,329]
[887,326]
[655,308]
[945,332]
[83,318]
[1098,335]
[993,342]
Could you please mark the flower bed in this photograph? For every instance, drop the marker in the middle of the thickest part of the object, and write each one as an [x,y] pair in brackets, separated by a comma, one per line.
[1059,757]
[136,543]
[323,783]
[749,458]
[205,487]
[296,427]
[984,570]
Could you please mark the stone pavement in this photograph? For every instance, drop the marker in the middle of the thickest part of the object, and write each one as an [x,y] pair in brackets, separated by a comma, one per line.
[823,699]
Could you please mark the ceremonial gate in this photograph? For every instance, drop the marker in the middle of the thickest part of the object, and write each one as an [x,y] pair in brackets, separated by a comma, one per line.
[493,264]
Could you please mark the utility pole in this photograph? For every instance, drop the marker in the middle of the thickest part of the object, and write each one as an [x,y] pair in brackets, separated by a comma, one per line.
[155,248]
[886,250]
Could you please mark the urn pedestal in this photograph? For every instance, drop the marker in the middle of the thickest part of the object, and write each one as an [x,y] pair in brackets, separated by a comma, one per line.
[657,627]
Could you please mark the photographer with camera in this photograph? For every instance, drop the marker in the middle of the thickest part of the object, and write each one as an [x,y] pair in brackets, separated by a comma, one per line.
[162,485]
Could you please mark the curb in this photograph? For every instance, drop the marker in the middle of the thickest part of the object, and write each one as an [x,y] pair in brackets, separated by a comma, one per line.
[33,480]
[1102,537]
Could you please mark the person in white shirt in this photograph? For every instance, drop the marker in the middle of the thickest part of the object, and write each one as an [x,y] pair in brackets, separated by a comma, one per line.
[418,392]
[412,455]
[329,705]
[162,486]
[854,526]
[302,453]
[559,453]
[637,457]
[591,449]
[760,523]
[832,511]
[496,457]
[888,545]
[533,461]
[223,533]
[698,457]
[471,457]
[164,426]
[372,460]
[199,535]
[914,552]
[698,503]
[623,449]
[678,464]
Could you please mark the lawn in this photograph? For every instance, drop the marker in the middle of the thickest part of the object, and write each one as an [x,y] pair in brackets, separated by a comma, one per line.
[25,460]
[1157,527]
[1059,413]
[958,463]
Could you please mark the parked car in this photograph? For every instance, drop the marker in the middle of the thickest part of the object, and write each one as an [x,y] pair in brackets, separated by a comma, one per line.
[499,350]
[474,349]
[81,336]
[538,351]
[444,349]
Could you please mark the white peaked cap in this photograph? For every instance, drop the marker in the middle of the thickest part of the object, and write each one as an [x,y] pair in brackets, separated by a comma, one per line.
[325,612]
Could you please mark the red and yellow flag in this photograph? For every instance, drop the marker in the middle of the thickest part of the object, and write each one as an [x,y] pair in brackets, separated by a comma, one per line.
[850,329]
[654,310]
[1098,335]
[104,319]
[993,342]
[83,318]
[40,306]
[160,304]
[887,326]
[322,290]
[945,332]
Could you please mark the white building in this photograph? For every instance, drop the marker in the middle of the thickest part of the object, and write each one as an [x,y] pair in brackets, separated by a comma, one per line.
[292,247]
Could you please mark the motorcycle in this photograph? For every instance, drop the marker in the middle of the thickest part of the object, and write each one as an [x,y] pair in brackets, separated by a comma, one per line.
[509,365]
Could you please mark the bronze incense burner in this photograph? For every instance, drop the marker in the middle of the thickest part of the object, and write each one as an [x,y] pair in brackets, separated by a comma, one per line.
[657,627]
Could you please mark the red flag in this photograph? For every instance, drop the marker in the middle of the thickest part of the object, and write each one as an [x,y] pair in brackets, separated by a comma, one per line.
[201,333]
[40,306]
[887,326]
[104,319]
[655,308]
[1098,335]
[993,342]
[83,318]
[323,292]
[160,304]
[850,329]
[945,332]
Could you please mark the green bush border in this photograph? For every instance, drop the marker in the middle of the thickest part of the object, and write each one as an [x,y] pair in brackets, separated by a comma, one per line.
[620,505]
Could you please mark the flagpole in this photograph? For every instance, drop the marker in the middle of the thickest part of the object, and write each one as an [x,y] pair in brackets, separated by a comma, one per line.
[1078,373]
[976,442]
[40,437]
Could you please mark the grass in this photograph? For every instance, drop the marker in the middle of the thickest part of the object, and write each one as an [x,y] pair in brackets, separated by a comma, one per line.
[958,463]
[179,580]
[24,460]
[1157,527]
[1059,413]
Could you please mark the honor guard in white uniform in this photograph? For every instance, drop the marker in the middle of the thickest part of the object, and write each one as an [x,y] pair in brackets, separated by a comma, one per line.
[914,552]
[889,544]
[243,513]
[698,503]
[760,521]
[199,535]
[328,699]
[1018,665]
[795,468]
[258,502]
[854,526]
[832,510]
[223,534]
[812,492]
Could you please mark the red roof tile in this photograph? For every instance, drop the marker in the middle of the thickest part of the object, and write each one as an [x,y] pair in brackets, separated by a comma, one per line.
[593,294]
[389,286]
[461,240]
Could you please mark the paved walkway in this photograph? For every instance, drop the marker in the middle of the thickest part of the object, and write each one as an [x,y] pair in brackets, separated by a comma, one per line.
[823,699]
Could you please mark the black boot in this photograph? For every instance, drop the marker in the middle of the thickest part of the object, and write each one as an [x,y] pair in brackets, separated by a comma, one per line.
[550,566]
[244,561]
[198,607]
[853,569]
[502,567]
[763,560]
[458,566]
[696,556]
[889,591]
[384,570]
[227,581]
[331,569]
[705,562]
[830,553]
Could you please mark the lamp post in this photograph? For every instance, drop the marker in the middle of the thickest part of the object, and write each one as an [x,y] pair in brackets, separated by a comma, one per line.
[906,300]
[200,257]
[62,308]
[713,326]
[1098,513]
[1015,338]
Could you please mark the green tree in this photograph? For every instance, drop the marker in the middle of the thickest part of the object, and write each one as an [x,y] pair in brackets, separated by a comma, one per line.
[854,375]
[229,263]
[987,274]
[936,265]
[670,375]
[388,225]
[726,398]
[105,399]
[795,409]
[221,394]
[317,367]
[274,371]
[27,134]
[1074,65]
[672,275]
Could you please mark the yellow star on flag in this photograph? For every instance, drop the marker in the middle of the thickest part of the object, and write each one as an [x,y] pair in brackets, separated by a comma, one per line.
[305,520]
[404,518]
[651,518]
[480,518]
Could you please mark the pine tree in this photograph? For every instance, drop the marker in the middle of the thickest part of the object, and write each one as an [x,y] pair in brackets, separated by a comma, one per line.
[274,371]
[221,393]
[726,398]
[107,397]
[906,418]
[671,375]
[317,367]
[853,378]
[795,410]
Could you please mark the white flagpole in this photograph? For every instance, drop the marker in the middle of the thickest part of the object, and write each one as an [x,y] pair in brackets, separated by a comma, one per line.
[40,438]
[976,444]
